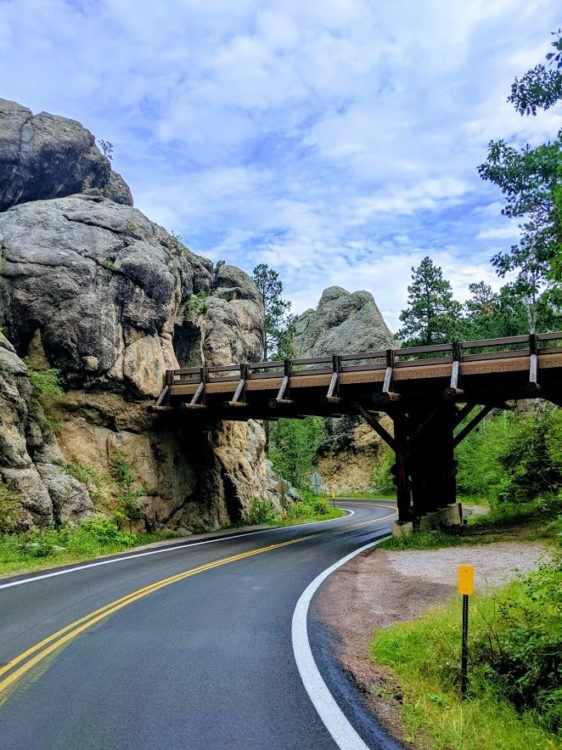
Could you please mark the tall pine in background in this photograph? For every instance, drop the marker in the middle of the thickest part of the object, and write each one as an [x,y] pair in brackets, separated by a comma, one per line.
[277,317]
[432,314]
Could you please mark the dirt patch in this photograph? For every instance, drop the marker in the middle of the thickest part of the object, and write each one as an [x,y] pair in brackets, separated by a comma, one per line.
[379,588]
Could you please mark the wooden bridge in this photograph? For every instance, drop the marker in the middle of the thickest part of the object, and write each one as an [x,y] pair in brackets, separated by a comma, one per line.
[434,395]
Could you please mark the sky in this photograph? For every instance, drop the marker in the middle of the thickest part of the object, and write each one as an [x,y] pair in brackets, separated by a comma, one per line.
[335,140]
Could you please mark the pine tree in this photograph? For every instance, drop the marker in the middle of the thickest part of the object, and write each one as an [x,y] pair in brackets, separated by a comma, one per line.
[277,319]
[432,315]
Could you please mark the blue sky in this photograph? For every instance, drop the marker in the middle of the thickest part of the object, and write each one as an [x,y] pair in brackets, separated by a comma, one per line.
[336,140]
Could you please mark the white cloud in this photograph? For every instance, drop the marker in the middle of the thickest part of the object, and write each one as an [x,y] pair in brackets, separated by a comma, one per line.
[335,139]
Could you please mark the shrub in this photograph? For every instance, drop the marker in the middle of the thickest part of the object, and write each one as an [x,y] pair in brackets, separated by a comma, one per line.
[521,647]
[260,512]
[320,506]
[45,382]
[107,532]
[198,303]
[89,477]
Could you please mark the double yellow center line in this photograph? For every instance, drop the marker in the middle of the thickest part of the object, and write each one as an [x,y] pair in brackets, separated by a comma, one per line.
[32,656]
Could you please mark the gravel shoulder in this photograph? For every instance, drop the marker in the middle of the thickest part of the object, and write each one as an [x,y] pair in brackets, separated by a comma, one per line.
[379,588]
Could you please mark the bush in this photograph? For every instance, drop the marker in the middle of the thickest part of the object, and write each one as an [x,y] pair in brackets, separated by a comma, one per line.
[198,303]
[45,382]
[260,512]
[513,456]
[108,533]
[520,648]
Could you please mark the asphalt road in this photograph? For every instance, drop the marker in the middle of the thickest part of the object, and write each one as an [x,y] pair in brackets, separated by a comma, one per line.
[185,648]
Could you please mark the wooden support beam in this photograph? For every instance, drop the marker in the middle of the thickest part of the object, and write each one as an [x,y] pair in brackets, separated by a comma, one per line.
[464,412]
[472,424]
[376,425]
[239,392]
[194,407]
[199,395]
[334,387]
[162,396]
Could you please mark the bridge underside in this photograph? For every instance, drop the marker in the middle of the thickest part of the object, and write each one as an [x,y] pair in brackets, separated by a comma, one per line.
[433,400]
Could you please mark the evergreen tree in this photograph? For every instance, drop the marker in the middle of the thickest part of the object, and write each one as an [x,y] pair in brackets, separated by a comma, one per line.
[432,315]
[277,319]
[293,446]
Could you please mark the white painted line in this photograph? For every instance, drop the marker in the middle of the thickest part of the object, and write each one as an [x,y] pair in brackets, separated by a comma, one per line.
[171,548]
[335,721]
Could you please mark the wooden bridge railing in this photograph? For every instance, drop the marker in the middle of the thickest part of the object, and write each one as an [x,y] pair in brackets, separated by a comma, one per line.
[465,351]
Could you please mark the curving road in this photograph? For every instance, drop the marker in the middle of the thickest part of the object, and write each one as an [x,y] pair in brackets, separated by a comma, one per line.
[189,647]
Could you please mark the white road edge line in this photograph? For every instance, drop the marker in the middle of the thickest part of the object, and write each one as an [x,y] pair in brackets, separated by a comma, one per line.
[171,548]
[335,721]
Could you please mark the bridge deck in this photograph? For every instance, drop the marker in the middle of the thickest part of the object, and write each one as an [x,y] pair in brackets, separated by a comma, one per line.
[418,387]
[484,371]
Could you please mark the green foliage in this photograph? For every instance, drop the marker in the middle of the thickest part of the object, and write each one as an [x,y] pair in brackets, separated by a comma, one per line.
[10,509]
[519,648]
[513,456]
[260,512]
[45,382]
[293,448]
[106,532]
[531,181]
[540,88]
[198,303]
[109,264]
[128,508]
[311,507]
[383,479]
[39,548]
[89,477]
[424,656]
[432,314]
[277,320]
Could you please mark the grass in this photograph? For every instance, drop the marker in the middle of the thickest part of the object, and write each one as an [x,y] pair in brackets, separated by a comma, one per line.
[515,522]
[39,549]
[308,509]
[34,550]
[307,515]
[423,656]
[365,496]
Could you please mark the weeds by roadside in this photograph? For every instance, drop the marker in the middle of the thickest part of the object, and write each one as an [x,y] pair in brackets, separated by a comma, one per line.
[534,521]
[310,507]
[35,549]
[515,666]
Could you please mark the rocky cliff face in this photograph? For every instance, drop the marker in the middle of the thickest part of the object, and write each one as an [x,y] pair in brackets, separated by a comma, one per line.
[93,289]
[344,322]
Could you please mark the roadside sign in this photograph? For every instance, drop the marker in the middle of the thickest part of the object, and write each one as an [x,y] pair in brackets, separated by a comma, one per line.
[466,580]
[316,482]
[466,588]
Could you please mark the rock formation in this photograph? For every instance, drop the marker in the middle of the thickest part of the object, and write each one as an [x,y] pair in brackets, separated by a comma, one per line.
[96,297]
[344,322]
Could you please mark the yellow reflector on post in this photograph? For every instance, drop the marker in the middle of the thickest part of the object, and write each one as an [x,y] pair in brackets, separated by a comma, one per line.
[466,580]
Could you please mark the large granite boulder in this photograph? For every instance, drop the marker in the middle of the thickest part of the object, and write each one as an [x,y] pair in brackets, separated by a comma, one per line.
[96,298]
[101,283]
[342,323]
[46,156]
